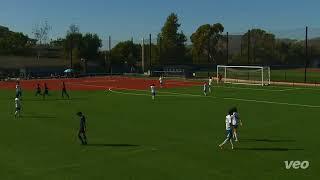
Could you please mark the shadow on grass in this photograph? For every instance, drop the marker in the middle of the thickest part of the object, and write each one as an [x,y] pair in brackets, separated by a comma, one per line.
[112,145]
[268,140]
[269,149]
[56,99]
[38,117]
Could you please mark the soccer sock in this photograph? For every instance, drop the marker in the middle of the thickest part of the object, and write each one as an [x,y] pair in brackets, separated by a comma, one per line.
[231,143]
[85,138]
[223,142]
[235,136]
[79,136]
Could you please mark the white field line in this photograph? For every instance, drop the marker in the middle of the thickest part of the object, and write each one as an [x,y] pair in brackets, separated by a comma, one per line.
[255,89]
[180,83]
[227,87]
[282,90]
[225,98]
[167,94]
[272,102]
[194,95]
[89,85]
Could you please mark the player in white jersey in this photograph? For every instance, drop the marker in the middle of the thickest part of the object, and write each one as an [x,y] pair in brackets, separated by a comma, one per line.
[161,81]
[153,91]
[17,106]
[229,130]
[236,121]
[210,83]
[205,88]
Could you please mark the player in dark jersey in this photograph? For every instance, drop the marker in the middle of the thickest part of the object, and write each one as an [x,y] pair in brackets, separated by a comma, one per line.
[46,91]
[64,90]
[82,130]
[38,90]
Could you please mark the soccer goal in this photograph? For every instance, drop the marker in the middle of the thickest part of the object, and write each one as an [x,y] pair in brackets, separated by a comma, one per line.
[250,75]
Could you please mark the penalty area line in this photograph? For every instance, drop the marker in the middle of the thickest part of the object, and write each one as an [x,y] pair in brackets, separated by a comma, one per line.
[167,94]
[225,98]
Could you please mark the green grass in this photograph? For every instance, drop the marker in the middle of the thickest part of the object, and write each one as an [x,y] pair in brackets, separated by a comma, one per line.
[174,137]
[295,75]
[284,75]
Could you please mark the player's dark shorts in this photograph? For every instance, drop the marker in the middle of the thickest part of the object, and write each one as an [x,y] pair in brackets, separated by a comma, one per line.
[46,92]
[153,94]
[82,131]
[18,108]
[18,93]
[229,134]
[235,126]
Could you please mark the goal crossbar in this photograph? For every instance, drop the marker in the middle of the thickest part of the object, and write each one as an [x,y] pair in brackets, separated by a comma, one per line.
[241,74]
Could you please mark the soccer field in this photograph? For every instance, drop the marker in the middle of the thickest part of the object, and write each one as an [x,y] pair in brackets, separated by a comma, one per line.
[283,75]
[174,137]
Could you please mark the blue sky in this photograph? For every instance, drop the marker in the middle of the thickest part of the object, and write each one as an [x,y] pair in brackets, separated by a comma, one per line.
[123,19]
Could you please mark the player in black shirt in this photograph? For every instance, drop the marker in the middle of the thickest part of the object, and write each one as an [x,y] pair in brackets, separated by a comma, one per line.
[46,91]
[82,129]
[64,90]
[38,90]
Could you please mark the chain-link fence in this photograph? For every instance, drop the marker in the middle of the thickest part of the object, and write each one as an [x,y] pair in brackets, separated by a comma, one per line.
[290,56]
[293,55]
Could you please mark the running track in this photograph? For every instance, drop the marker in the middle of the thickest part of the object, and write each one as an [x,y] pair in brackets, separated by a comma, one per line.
[98,83]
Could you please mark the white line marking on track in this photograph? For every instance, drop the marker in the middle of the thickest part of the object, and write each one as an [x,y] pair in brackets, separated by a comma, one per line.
[106,80]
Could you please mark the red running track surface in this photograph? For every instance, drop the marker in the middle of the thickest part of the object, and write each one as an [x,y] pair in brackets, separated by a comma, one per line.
[98,83]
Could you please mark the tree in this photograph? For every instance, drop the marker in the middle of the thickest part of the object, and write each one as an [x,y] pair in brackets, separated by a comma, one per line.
[206,41]
[73,29]
[262,46]
[89,49]
[58,43]
[126,53]
[72,43]
[15,43]
[41,32]
[90,46]
[172,42]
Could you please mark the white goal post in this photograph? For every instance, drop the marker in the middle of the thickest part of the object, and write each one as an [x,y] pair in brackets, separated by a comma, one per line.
[250,75]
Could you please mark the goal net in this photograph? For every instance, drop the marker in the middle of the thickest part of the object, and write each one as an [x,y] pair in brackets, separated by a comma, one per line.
[251,75]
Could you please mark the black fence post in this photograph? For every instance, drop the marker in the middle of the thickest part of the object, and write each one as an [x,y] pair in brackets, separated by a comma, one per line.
[227,48]
[285,76]
[306,60]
